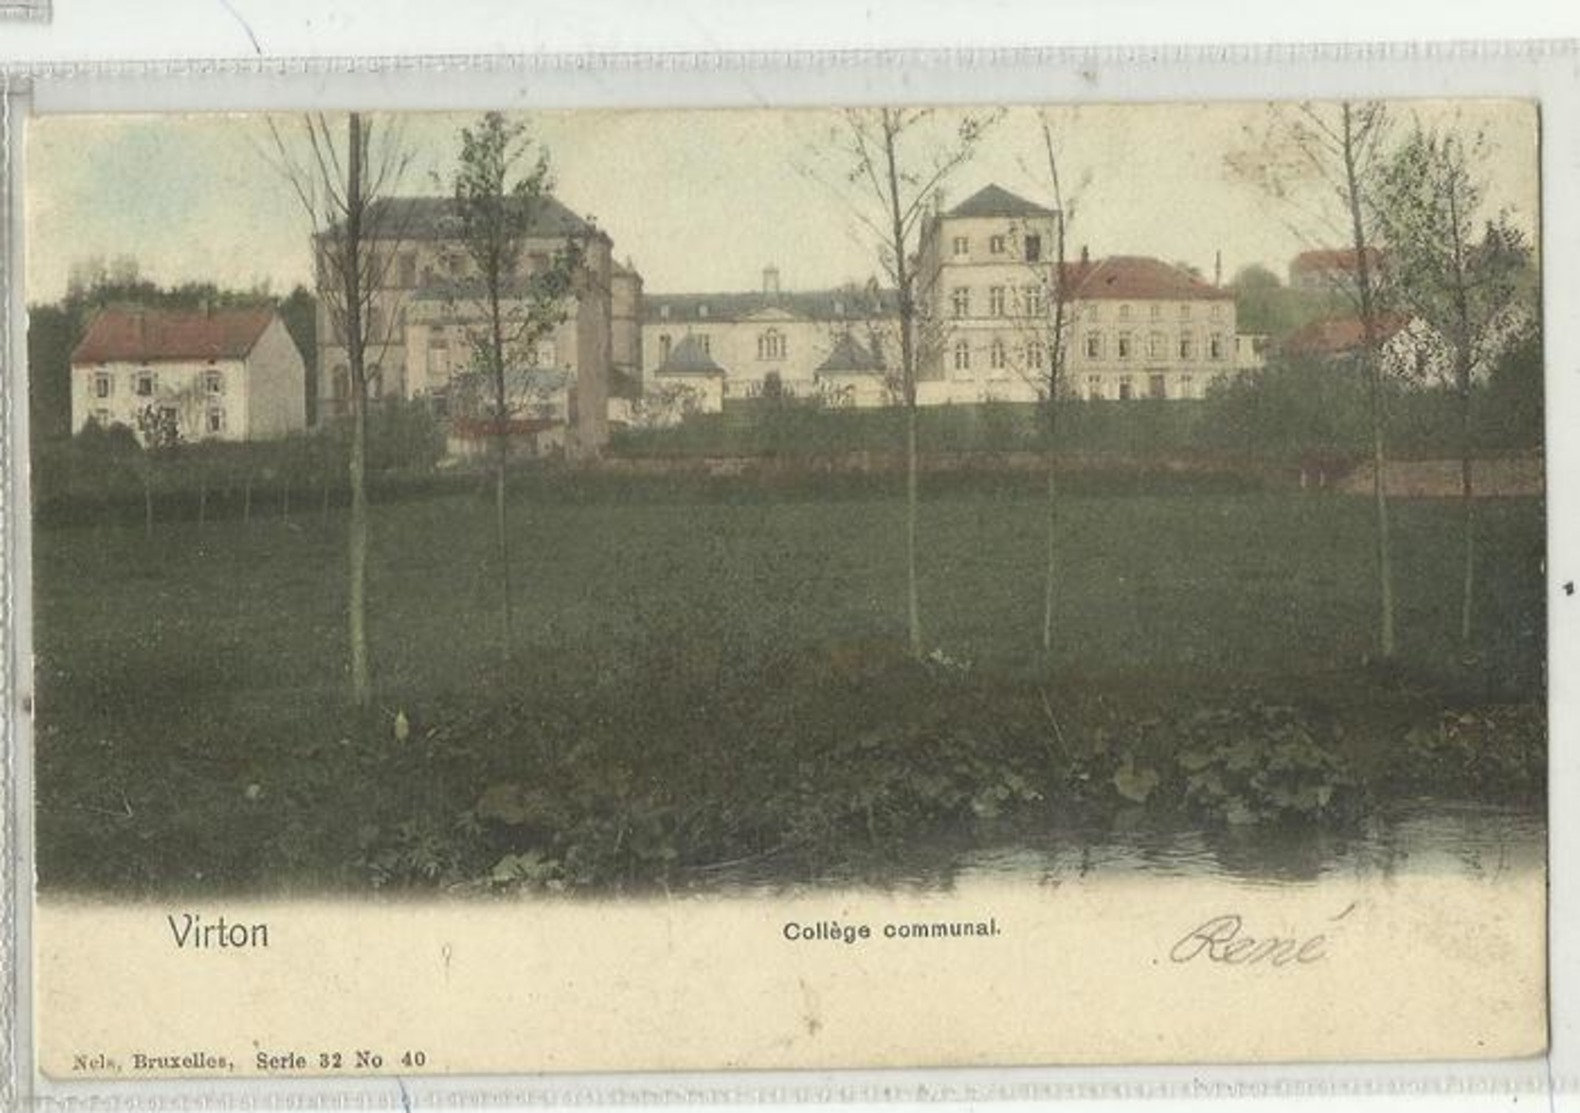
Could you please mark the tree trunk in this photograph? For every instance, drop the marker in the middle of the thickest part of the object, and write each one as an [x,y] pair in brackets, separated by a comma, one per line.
[285,499]
[501,469]
[148,506]
[1050,568]
[1386,639]
[913,604]
[357,548]
[1467,496]
[246,500]
[202,501]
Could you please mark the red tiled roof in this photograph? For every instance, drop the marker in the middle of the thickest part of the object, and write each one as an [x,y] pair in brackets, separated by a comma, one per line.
[1327,259]
[1336,336]
[1138,278]
[146,336]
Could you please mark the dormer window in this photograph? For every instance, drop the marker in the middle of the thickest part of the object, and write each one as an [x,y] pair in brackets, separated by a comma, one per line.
[663,313]
[702,311]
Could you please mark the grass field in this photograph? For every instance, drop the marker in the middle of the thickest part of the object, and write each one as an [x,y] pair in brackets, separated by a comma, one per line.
[191,684]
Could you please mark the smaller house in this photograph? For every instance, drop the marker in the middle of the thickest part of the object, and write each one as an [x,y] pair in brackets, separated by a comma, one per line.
[1328,270]
[190,375]
[538,416]
[852,375]
[1410,350]
[688,381]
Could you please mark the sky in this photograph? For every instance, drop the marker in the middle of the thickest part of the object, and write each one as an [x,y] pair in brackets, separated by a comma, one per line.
[703,200]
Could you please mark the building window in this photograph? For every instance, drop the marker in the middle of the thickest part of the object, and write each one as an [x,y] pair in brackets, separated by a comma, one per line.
[1094,345]
[707,343]
[1187,387]
[102,418]
[216,421]
[143,385]
[438,359]
[996,357]
[1033,248]
[102,385]
[1156,387]
[1184,310]
[1157,311]
[663,346]
[702,313]
[1035,306]
[962,246]
[962,356]
[663,313]
[1217,311]
[1186,350]
[1091,312]
[1094,387]
[1124,345]
[1124,313]
[960,301]
[1125,393]
[1036,355]
[771,345]
[996,301]
[213,382]
[1215,346]
[995,245]
[1156,347]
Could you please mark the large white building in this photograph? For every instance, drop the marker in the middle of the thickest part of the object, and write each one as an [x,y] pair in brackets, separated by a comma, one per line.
[1134,327]
[226,374]
[428,312]
[770,341]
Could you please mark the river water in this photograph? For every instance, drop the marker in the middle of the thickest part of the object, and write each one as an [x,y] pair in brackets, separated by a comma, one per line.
[1446,838]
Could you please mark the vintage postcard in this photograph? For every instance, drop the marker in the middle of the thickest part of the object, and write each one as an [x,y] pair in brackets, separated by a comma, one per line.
[701,589]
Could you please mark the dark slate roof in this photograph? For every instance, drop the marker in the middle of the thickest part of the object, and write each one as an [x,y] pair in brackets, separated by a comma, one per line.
[850,357]
[146,336]
[995,200]
[432,218]
[846,303]
[689,358]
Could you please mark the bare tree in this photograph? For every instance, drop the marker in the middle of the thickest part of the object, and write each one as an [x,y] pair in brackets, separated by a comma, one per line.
[1048,356]
[1321,164]
[896,159]
[1462,280]
[343,187]
[499,187]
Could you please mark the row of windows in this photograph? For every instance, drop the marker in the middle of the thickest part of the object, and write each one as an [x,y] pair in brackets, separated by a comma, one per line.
[143,381]
[1002,301]
[771,345]
[1032,356]
[999,244]
[1093,311]
[1154,385]
[213,420]
[1095,345]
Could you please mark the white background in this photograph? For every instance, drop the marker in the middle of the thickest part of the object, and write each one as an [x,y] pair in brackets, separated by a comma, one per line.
[126,30]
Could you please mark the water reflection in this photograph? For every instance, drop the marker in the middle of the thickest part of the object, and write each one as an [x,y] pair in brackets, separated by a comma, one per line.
[1463,839]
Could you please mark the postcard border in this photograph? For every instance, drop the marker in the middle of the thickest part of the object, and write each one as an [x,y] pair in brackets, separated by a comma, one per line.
[1140,1082]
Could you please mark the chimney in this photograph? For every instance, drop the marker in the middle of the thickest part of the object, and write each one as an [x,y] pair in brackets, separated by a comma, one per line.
[1086,256]
[1217,268]
[770,281]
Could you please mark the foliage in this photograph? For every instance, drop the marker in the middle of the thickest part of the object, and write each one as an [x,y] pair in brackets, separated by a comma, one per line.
[1501,748]
[1261,763]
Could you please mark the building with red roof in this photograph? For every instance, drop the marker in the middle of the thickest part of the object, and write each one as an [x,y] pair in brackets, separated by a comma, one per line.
[223,374]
